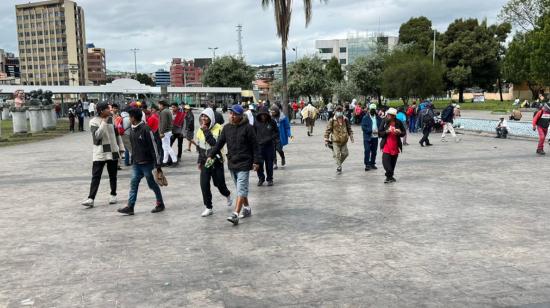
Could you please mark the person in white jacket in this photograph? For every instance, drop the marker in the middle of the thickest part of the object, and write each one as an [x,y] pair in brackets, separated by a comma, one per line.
[502,128]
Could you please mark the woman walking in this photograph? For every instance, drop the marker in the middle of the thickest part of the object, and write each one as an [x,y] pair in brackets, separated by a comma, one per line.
[391,131]
[284,134]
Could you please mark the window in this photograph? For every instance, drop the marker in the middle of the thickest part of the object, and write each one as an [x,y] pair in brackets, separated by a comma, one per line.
[325,50]
[342,61]
[343,49]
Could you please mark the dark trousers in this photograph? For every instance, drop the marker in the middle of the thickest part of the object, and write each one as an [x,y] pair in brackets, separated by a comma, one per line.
[502,132]
[371,147]
[426,134]
[278,149]
[266,151]
[179,138]
[71,124]
[218,178]
[81,124]
[412,124]
[97,171]
[389,162]
[138,172]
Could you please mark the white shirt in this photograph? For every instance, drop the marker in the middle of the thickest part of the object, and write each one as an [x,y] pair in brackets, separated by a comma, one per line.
[91,107]
[374,124]
[503,124]
[250,116]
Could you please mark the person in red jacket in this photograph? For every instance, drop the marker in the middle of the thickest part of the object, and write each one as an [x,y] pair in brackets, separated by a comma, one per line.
[153,123]
[541,121]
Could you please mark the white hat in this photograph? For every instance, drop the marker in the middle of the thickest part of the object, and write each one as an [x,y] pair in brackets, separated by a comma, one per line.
[392,111]
[458,106]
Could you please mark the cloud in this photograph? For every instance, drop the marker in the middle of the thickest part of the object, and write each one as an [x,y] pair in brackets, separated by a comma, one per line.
[165,29]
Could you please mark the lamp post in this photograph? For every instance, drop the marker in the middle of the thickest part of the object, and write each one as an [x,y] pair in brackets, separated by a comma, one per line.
[213,52]
[295,49]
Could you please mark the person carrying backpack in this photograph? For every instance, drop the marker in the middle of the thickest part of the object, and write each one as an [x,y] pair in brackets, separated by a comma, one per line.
[411,114]
[427,117]
[541,121]
[447,117]
[338,133]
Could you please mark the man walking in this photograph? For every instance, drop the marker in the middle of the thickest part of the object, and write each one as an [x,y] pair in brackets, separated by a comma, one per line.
[107,148]
[309,114]
[189,127]
[242,156]
[146,157]
[338,133]
[207,136]
[370,124]
[447,117]
[427,117]
[177,128]
[165,132]
[267,135]
[284,134]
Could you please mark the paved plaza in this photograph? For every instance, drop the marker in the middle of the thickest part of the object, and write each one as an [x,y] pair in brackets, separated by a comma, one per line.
[466,225]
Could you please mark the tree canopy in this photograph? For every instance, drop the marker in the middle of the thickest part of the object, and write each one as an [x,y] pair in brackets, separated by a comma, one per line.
[366,74]
[144,79]
[524,14]
[334,70]
[417,34]
[229,71]
[307,77]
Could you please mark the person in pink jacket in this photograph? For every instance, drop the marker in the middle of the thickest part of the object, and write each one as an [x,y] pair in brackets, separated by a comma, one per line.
[541,121]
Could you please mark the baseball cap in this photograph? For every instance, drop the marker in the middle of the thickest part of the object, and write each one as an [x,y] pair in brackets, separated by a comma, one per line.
[187,107]
[372,106]
[392,111]
[237,109]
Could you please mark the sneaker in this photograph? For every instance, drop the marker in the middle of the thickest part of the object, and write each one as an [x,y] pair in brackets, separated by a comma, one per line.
[275,167]
[158,208]
[234,219]
[387,180]
[429,144]
[229,200]
[443,140]
[261,182]
[367,168]
[247,212]
[112,199]
[207,212]
[283,162]
[126,210]
[89,202]
[393,180]
[421,144]
[373,167]
[339,169]
[541,152]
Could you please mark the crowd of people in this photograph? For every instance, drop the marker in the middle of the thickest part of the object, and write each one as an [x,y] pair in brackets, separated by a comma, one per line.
[253,138]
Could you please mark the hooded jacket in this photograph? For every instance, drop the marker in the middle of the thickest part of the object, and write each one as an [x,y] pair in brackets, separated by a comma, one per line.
[144,147]
[542,117]
[242,148]
[266,132]
[384,135]
[207,138]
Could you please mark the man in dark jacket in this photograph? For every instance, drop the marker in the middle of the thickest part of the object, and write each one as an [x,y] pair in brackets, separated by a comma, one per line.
[447,117]
[427,117]
[267,135]
[242,156]
[146,157]
[370,124]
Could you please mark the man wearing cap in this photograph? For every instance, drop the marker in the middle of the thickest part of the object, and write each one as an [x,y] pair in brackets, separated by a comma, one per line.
[189,127]
[242,155]
[370,124]
[391,131]
[502,128]
[165,132]
[107,148]
[338,133]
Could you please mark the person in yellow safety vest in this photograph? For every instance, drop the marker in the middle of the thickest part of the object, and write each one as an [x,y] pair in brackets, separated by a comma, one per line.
[207,136]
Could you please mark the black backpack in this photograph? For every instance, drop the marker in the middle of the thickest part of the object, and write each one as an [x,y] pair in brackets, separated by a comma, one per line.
[447,114]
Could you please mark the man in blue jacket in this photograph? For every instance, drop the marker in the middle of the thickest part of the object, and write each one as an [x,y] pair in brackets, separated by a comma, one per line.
[370,124]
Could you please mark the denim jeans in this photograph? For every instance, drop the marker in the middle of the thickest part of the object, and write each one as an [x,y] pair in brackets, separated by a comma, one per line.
[240,178]
[138,172]
[371,147]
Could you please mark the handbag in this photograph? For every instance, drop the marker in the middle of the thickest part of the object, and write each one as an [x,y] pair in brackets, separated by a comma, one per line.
[160,178]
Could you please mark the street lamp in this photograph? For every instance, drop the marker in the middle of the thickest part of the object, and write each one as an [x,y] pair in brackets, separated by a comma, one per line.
[296,50]
[213,52]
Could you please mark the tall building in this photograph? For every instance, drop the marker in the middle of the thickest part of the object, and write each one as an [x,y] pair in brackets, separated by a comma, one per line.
[11,65]
[97,68]
[162,78]
[356,45]
[185,73]
[52,40]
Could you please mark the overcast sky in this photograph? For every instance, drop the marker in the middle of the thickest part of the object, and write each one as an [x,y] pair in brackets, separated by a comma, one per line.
[163,29]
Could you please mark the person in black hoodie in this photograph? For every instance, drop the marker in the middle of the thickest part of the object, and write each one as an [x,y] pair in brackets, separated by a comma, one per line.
[146,157]
[242,156]
[267,135]
[207,136]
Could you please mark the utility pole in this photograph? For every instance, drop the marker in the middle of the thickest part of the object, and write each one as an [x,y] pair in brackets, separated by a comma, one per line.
[295,49]
[213,52]
[240,40]
[135,50]
[433,60]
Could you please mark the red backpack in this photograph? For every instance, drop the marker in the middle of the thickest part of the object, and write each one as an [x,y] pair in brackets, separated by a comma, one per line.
[119,125]
[410,111]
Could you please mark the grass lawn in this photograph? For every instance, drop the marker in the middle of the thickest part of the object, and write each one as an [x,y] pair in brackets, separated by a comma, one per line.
[505,106]
[8,139]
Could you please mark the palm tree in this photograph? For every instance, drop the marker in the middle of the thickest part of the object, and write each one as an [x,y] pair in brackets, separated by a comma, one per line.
[283,14]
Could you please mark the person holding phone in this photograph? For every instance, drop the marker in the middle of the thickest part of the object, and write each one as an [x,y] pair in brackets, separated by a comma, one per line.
[391,131]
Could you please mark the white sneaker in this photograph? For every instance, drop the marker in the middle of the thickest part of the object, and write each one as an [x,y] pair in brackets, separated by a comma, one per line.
[89,202]
[112,199]
[443,140]
[458,140]
[207,212]
[229,200]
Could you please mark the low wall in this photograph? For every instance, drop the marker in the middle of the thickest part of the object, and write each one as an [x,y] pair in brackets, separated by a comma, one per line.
[521,128]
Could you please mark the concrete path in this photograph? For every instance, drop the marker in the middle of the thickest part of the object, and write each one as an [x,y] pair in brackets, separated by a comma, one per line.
[466,225]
